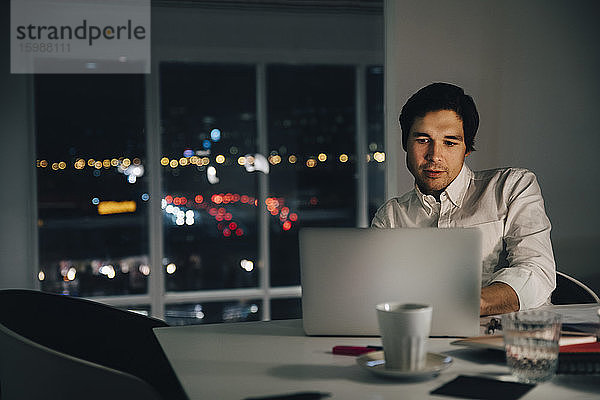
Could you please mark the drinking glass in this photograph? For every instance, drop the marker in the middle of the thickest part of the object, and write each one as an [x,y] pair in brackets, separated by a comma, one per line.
[531,343]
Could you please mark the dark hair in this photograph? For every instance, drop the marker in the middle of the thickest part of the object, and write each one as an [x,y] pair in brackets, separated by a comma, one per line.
[436,97]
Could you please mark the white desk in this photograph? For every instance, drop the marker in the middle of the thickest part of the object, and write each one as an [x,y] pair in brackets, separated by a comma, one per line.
[234,361]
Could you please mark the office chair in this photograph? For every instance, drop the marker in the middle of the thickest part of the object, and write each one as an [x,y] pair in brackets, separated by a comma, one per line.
[571,291]
[31,371]
[73,330]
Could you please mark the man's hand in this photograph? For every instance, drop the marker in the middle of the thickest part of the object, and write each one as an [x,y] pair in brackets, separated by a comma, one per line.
[498,298]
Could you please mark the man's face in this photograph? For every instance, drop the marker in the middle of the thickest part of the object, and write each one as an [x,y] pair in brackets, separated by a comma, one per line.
[436,150]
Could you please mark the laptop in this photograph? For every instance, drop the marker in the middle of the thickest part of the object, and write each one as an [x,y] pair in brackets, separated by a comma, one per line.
[345,272]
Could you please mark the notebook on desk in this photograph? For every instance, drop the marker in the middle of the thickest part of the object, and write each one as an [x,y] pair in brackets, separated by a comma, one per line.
[345,272]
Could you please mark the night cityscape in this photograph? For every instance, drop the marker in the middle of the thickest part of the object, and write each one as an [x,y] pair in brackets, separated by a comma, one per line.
[93,188]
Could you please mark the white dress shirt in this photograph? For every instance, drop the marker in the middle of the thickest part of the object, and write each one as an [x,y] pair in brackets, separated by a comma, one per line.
[507,206]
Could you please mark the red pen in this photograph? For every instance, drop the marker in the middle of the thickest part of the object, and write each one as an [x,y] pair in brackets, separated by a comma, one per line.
[354,350]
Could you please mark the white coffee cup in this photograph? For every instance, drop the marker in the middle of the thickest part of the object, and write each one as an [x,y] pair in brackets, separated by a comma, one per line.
[404,329]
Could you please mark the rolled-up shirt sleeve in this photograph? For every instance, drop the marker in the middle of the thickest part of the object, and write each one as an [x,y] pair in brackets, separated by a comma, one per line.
[531,270]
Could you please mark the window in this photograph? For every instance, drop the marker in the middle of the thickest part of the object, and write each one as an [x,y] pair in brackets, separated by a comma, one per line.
[311,124]
[376,150]
[250,153]
[211,312]
[92,190]
[208,118]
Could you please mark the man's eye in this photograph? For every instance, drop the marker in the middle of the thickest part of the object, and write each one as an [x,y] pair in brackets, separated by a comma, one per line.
[422,140]
[451,144]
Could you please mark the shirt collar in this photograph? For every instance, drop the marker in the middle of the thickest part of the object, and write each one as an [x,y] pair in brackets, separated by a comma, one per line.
[458,188]
[455,191]
[427,201]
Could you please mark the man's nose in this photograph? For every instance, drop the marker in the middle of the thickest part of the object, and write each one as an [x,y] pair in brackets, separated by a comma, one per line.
[434,151]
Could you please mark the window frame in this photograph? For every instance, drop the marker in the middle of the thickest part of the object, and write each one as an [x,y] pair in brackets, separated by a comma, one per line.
[157,296]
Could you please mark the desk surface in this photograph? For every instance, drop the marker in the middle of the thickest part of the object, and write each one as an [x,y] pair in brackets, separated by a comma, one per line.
[234,361]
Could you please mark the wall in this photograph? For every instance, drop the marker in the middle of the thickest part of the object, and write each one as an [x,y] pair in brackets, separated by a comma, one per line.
[17,202]
[533,69]
[267,35]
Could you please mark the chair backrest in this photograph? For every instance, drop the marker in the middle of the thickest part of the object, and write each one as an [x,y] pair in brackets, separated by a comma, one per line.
[571,291]
[93,332]
[31,371]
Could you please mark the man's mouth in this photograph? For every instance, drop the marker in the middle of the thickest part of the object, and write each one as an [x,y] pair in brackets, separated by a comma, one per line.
[433,173]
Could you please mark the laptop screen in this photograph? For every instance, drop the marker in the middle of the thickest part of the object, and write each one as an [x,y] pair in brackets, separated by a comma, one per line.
[345,272]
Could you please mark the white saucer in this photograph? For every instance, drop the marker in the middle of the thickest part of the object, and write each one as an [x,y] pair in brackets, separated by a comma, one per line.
[375,362]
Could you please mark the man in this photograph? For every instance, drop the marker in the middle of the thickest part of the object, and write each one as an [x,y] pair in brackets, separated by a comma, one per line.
[439,124]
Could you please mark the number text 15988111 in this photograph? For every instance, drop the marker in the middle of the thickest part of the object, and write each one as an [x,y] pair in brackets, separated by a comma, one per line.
[33,47]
